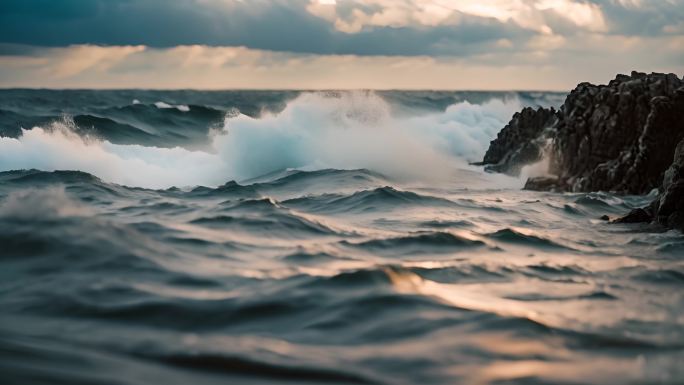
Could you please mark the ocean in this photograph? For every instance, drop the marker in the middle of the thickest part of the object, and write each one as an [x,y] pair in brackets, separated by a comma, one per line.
[313,237]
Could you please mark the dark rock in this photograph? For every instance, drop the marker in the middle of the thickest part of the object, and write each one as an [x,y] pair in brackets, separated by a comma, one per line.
[619,137]
[669,206]
[542,184]
[521,142]
[636,216]
[604,218]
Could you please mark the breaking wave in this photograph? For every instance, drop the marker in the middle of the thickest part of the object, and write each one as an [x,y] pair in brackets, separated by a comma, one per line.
[350,130]
[298,256]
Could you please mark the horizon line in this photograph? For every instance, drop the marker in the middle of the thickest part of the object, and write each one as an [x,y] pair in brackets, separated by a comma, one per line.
[280,89]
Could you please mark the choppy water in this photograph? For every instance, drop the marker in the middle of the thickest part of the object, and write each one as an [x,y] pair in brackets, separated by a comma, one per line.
[356,247]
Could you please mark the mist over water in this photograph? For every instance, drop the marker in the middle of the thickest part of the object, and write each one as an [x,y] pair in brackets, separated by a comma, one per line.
[324,238]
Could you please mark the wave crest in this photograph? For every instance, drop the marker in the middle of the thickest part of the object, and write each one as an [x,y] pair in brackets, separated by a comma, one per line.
[349,130]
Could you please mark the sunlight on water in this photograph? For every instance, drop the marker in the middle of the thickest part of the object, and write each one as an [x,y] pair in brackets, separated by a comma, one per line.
[355,266]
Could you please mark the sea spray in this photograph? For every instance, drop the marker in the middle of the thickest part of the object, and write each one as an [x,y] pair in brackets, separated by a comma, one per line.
[347,130]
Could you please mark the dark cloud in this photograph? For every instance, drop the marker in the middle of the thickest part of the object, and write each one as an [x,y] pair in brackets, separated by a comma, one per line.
[271,25]
[49,9]
[158,23]
[9,49]
[641,18]
[283,25]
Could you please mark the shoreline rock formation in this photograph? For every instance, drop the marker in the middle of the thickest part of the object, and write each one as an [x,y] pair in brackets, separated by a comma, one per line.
[668,208]
[521,142]
[625,137]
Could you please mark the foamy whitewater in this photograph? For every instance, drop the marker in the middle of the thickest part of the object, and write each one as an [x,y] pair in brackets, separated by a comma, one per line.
[258,237]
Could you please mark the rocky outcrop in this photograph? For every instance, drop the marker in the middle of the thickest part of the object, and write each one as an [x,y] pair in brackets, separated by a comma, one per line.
[542,183]
[639,215]
[617,137]
[521,142]
[668,208]
[620,137]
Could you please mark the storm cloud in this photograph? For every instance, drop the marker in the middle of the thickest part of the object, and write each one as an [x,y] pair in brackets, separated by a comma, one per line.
[522,38]
[358,27]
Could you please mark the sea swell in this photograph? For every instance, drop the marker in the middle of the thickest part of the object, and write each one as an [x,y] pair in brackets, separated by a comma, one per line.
[204,146]
[334,241]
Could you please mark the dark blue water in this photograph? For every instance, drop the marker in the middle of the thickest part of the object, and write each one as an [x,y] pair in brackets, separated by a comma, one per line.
[318,238]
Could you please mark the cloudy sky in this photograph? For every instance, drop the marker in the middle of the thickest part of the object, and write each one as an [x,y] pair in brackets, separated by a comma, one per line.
[305,44]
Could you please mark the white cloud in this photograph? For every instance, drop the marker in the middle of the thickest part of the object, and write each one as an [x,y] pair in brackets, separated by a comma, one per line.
[352,16]
[77,59]
[545,62]
[584,15]
[61,64]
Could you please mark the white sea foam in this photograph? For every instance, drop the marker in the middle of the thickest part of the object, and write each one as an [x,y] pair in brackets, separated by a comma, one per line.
[41,204]
[163,105]
[351,130]
[58,148]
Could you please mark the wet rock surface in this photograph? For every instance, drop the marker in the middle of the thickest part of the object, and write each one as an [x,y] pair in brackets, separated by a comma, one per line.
[636,216]
[619,137]
[543,183]
[668,208]
[521,142]
[625,137]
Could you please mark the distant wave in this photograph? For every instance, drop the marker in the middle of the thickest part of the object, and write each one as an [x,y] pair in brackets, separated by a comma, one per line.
[512,236]
[418,243]
[179,107]
[381,198]
[351,130]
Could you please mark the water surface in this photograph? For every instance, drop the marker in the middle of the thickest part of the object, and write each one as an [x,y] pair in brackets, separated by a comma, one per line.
[205,244]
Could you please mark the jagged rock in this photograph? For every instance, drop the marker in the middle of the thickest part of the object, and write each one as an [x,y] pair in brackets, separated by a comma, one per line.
[616,137]
[521,142]
[542,183]
[621,136]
